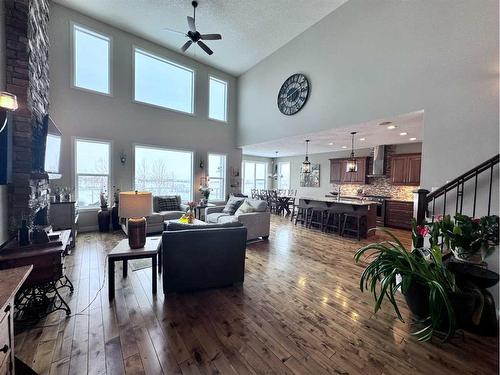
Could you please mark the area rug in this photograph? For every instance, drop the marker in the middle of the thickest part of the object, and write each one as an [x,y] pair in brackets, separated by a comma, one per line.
[140,264]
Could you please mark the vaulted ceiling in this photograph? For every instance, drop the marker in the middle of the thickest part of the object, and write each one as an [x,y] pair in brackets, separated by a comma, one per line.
[251,29]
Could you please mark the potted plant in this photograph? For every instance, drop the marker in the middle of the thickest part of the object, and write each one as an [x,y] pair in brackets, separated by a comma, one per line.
[205,192]
[429,287]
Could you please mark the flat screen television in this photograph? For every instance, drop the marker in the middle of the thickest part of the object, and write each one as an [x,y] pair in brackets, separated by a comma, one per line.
[47,139]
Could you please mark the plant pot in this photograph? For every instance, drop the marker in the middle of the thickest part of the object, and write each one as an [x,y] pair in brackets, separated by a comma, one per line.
[463,303]
[479,276]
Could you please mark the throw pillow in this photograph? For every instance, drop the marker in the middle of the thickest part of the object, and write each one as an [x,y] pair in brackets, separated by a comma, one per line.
[168,204]
[173,226]
[245,208]
[232,205]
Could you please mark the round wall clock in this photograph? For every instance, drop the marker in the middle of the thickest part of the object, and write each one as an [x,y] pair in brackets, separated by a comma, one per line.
[293,94]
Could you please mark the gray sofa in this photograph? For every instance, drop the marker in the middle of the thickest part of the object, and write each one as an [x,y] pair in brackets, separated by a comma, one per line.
[155,221]
[202,256]
[257,222]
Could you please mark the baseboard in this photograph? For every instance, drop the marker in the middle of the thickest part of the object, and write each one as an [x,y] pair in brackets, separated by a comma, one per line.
[91,228]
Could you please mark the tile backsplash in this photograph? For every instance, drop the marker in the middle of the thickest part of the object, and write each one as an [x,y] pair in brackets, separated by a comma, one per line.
[378,186]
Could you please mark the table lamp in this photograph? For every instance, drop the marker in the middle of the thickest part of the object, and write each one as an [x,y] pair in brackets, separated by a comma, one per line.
[134,205]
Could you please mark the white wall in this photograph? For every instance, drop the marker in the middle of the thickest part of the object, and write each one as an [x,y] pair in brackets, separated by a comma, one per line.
[374,59]
[3,188]
[117,118]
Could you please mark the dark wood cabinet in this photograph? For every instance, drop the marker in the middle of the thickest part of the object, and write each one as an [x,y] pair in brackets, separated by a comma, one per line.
[405,169]
[339,174]
[335,170]
[398,214]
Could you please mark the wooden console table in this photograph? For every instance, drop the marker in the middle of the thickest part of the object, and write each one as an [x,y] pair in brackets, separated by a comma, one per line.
[11,281]
[39,295]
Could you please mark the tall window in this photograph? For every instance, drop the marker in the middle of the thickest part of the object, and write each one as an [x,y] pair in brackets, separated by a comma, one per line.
[164,172]
[92,171]
[254,176]
[217,176]
[217,107]
[284,175]
[163,83]
[91,60]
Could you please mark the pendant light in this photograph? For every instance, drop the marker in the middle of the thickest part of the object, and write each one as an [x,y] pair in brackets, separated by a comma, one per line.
[274,167]
[352,165]
[306,164]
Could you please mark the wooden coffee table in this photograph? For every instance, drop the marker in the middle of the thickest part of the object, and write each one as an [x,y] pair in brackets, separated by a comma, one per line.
[123,252]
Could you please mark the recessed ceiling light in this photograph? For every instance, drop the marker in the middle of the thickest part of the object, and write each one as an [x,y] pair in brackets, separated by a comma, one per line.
[330,144]
[413,139]
[403,133]
[390,127]
[362,139]
[344,146]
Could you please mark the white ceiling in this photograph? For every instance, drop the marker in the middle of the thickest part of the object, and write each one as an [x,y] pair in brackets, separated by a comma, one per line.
[333,139]
[251,29]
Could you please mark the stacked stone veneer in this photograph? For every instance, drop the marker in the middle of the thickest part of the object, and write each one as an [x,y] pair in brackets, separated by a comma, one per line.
[27,76]
[380,185]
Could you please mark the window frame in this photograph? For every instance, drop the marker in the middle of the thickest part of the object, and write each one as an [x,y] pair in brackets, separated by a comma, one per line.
[280,163]
[167,148]
[76,174]
[171,62]
[254,173]
[226,106]
[99,34]
[224,178]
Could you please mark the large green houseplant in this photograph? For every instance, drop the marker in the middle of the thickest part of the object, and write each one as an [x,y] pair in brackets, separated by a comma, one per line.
[393,267]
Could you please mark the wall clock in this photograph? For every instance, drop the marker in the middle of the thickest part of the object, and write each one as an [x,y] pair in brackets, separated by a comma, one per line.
[293,94]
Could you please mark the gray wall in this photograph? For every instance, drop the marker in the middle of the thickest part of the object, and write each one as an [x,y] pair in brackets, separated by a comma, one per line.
[3,188]
[117,118]
[374,59]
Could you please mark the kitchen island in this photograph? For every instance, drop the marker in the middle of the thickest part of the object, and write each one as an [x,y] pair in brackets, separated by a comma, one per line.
[347,205]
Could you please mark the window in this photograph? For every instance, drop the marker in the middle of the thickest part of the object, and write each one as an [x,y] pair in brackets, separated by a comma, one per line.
[284,175]
[217,176]
[254,176]
[92,171]
[163,83]
[164,172]
[217,107]
[91,60]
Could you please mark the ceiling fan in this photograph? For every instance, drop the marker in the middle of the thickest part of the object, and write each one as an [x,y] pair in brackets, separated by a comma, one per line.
[194,36]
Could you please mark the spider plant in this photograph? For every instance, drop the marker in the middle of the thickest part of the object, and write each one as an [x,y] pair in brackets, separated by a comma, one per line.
[423,266]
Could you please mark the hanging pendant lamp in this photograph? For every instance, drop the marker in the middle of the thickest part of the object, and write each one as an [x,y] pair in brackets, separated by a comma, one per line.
[352,165]
[274,167]
[306,164]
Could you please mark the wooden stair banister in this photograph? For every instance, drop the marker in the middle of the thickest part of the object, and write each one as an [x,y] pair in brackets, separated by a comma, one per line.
[424,197]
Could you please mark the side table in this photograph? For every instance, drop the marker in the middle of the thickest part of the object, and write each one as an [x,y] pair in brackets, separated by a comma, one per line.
[123,252]
[201,208]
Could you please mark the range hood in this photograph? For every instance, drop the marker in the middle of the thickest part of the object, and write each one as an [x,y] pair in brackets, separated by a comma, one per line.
[378,162]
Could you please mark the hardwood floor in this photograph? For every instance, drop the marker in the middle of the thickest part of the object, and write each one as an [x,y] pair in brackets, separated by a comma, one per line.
[299,311]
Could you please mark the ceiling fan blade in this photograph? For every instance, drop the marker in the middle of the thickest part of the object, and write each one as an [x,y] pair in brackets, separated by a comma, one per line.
[205,48]
[210,36]
[191,24]
[174,31]
[186,46]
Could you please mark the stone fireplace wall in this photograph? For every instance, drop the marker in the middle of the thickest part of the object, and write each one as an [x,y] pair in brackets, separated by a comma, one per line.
[27,76]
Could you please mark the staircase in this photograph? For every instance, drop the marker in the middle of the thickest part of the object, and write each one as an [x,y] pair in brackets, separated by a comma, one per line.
[462,195]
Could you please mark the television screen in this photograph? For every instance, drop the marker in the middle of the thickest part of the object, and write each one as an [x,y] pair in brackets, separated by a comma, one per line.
[52,153]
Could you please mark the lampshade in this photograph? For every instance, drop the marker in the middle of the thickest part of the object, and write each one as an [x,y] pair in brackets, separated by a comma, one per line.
[8,101]
[135,204]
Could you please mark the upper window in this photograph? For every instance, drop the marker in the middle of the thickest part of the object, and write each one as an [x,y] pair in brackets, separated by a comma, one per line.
[92,171]
[164,172]
[284,175]
[217,99]
[163,83]
[91,60]
[217,176]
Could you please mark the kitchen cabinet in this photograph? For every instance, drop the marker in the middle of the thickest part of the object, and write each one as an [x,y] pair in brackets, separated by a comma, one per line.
[405,169]
[398,214]
[339,174]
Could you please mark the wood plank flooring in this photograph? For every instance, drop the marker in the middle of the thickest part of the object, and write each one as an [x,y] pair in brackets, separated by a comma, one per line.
[299,311]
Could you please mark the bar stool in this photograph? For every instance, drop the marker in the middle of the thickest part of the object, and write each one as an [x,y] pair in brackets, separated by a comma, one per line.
[357,221]
[302,215]
[333,220]
[317,217]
